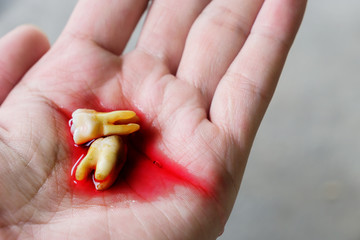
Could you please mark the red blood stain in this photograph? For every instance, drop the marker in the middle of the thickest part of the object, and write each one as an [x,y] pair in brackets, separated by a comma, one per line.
[142,177]
[146,175]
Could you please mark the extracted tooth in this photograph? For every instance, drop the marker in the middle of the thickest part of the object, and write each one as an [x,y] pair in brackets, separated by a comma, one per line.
[88,124]
[106,156]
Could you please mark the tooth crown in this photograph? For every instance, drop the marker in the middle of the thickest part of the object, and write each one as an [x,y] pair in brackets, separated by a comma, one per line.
[106,154]
[86,126]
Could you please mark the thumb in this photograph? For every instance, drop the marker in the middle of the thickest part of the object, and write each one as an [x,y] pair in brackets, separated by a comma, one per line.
[20,50]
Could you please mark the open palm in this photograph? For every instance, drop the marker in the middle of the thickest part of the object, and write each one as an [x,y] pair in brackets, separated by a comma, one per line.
[200,79]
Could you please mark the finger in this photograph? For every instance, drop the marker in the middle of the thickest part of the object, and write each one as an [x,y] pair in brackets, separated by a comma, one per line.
[245,91]
[108,23]
[166,28]
[20,49]
[214,41]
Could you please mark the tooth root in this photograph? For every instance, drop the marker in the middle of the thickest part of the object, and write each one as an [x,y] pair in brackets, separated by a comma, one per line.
[89,124]
[106,156]
[112,152]
[116,152]
[114,116]
[82,171]
[120,129]
[84,168]
[134,119]
[104,166]
[88,163]
[103,185]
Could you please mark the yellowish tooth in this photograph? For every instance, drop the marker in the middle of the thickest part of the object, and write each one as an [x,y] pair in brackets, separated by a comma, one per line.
[106,156]
[111,152]
[107,183]
[89,124]
[88,163]
[114,116]
[120,129]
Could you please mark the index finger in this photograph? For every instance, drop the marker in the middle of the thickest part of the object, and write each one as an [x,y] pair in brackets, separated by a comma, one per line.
[20,50]
[107,23]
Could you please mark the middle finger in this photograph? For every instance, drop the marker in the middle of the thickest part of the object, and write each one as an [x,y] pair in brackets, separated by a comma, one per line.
[166,28]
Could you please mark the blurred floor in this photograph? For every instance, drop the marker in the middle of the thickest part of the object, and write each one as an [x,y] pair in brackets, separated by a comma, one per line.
[302,180]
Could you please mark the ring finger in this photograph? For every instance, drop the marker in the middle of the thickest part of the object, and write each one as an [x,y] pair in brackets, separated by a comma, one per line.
[215,39]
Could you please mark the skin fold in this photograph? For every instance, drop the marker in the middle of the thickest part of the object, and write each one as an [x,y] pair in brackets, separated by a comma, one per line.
[200,80]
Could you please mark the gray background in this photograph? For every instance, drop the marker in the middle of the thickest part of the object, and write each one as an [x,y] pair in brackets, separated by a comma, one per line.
[302,180]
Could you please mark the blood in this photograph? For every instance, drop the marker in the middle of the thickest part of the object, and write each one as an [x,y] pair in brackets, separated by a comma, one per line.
[146,175]
[155,175]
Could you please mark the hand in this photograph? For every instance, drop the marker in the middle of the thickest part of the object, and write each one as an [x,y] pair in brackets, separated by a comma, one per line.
[200,80]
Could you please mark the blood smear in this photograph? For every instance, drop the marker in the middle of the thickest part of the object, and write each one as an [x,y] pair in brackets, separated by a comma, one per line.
[145,176]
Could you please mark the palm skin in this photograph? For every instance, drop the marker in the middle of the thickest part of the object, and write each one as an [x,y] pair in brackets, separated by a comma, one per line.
[199,156]
[50,135]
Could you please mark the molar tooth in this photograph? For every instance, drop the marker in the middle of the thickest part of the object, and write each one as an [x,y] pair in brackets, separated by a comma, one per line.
[106,156]
[89,124]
